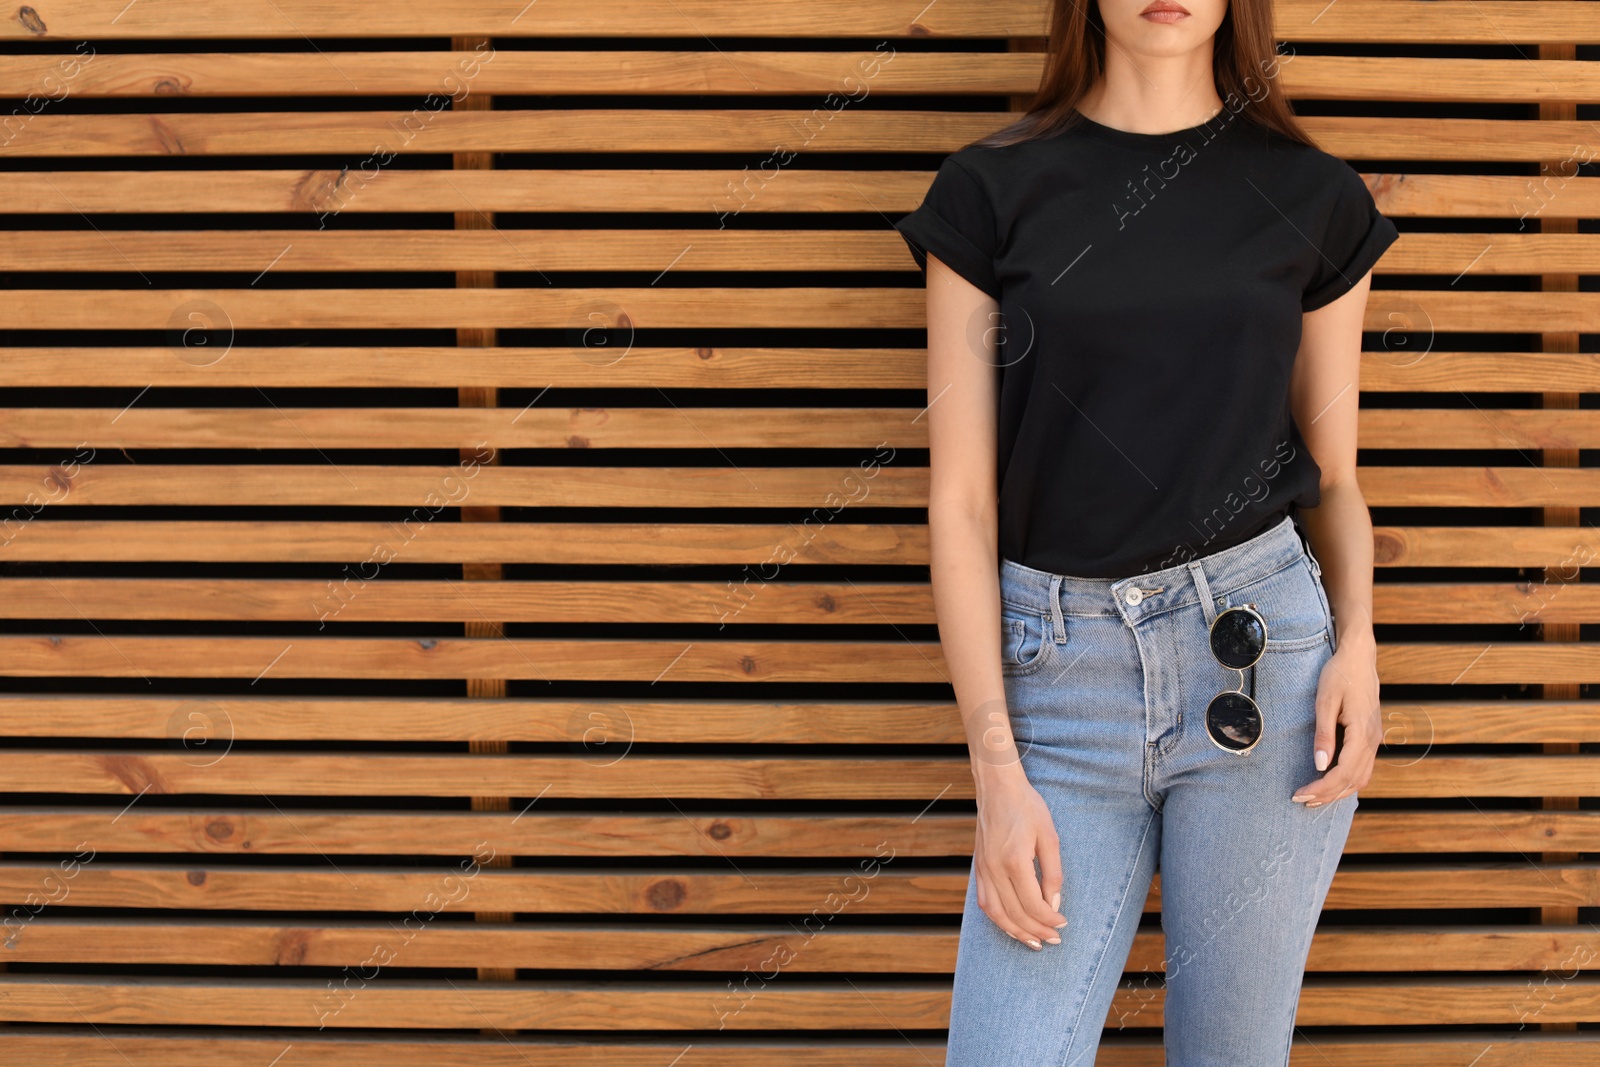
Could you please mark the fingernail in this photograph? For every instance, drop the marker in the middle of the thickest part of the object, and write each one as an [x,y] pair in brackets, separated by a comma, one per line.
[1052,941]
[1055,902]
[1060,924]
[1300,797]
[1322,760]
[1034,945]
[1012,936]
[1315,804]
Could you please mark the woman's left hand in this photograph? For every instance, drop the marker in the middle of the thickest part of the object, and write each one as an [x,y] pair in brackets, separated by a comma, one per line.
[1347,693]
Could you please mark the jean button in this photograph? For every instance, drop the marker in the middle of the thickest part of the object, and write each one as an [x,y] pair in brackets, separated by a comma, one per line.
[1133,595]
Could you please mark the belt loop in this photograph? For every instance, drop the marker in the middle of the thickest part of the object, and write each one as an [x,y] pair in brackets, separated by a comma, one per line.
[1055,609]
[1198,572]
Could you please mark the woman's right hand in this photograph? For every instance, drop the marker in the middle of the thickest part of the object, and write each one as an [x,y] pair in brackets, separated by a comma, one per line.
[1015,829]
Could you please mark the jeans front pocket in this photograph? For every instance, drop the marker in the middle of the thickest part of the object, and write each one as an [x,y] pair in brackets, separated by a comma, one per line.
[1291,601]
[1025,639]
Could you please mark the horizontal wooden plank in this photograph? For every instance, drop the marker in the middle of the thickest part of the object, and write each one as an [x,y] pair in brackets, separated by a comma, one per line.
[881,480]
[357,595]
[1562,548]
[108,540]
[893,890]
[662,659]
[1442,80]
[738,72]
[1388,370]
[1477,487]
[272,427]
[588,72]
[591,543]
[753,130]
[526,831]
[1472,663]
[339,252]
[575,310]
[1479,830]
[222,718]
[225,717]
[585,189]
[428,367]
[87,1047]
[1456,722]
[677,947]
[1490,22]
[611,770]
[294,19]
[700,248]
[223,830]
[1521,603]
[620,309]
[640,1005]
[1477,427]
[568,190]
[678,427]
[749,249]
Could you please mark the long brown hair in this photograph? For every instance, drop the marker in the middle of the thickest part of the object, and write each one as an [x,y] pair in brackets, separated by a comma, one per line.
[1244,65]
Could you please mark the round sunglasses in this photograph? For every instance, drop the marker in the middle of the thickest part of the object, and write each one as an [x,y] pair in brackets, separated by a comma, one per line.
[1238,640]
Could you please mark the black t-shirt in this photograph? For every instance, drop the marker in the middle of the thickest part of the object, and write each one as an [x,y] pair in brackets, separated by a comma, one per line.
[1150,290]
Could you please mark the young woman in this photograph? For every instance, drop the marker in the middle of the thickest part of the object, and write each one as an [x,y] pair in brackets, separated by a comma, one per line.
[1145,303]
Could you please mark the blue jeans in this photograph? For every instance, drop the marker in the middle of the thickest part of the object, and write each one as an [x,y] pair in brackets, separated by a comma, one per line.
[1107,684]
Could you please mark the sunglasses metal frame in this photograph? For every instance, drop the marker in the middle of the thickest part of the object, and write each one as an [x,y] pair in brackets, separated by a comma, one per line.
[1210,636]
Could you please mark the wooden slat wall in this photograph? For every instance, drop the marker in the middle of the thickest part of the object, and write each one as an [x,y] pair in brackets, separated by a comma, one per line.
[464,600]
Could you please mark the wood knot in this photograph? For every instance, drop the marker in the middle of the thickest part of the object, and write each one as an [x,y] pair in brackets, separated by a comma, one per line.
[293,948]
[706,353]
[195,877]
[747,664]
[720,831]
[319,189]
[133,772]
[577,441]
[827,603]
[30,20]
[665,895]
[219,829]
[1387,548]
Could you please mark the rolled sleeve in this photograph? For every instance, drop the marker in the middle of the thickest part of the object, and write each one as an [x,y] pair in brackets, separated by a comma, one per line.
[955,222]
[1355,238]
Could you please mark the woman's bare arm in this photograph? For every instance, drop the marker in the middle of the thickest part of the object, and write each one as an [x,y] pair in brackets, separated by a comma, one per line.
[1014,825]
[1325,394]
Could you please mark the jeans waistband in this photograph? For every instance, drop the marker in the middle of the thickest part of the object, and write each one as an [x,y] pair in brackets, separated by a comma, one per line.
[1155,592]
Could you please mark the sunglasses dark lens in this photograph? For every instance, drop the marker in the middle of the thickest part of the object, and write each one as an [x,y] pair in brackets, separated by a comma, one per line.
[1234,721]
[1238,638]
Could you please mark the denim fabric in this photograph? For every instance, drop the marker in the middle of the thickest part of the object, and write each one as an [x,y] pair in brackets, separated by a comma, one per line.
[1107,683]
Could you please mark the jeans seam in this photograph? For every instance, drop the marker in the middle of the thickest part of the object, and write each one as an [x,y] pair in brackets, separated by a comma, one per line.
[1105,946]
[1310,935]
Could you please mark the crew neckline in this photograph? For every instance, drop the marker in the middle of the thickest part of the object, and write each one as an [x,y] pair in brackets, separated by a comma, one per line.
[1210,129]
